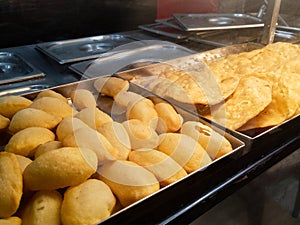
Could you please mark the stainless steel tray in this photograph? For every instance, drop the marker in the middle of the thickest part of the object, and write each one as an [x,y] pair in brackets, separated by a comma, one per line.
[164,30]
[83,48]
[215,21]
[171,22]
[132,55]
[14,68]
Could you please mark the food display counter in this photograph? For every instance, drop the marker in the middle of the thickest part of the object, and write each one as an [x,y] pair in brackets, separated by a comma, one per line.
[139,59]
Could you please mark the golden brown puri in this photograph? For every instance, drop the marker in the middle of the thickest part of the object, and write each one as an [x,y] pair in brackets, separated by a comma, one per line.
[82,98]
[87,203]
[92,139]
[252,96]
[165,169]
[25,141]
[141,135]
[187,152]
[23,162]
[30,117]
[93,117]
[128,181]
[4,122]
[14,220]
[52,94]
[169,120]
[118,137]
[11,184]
[11,104]
[67,127]
[47,146]
[215,144]
[43,208]
[144,111]
[111,86]
[60,168]
[53,106]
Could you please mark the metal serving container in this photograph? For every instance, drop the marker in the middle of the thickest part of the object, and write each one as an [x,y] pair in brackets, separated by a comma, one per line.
[135,54]
[205,175]
[14,68]
[82,48]
[217,21]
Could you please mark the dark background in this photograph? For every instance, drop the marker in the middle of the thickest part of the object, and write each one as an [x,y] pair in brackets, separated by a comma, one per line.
[25,22]
[32,21]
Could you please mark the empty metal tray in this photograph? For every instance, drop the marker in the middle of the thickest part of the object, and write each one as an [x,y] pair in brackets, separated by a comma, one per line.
[83,48]
[15,69]
[214,21]
[129,56]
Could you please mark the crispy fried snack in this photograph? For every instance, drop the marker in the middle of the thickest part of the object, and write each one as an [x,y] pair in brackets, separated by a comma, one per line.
[60,168]
[43,208]
[92,139]
[30,117]
[215,144]
[52,94]
[11,184]
[141,135]
[11,104]
[93,117]
[82,98]
[187,152]
[25,141]
[128,181]
[53,106]
[87,203]
[111,86]
[118,137]
[165,169]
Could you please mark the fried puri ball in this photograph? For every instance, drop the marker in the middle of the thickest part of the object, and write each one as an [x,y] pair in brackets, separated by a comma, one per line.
[67,127]
[215,144]
[111,86]
[82,98]
[118,137]
[60,168]
[53,106]
[48,146]
[87,203]
[30,117]
[92,139]
[93,117]
[43,208]
[141,135]
[14,220]
[143,110]
[4,122]
[11,184]
[169,119]
[52,94]
[187,152]
[11,104]
[25,141]
[128,181]
[160,164]
[23,162]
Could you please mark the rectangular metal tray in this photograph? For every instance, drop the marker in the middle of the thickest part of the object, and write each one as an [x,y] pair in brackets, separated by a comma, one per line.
[265,136]
[216,21]
[165,30]
[83,48]
[133,55]
[206,172]
[13,68]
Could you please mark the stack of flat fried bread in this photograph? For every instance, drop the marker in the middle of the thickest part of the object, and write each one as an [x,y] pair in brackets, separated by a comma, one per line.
[243,91]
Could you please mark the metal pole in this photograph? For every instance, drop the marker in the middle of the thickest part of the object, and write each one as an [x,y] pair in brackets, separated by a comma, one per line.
[270,21]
